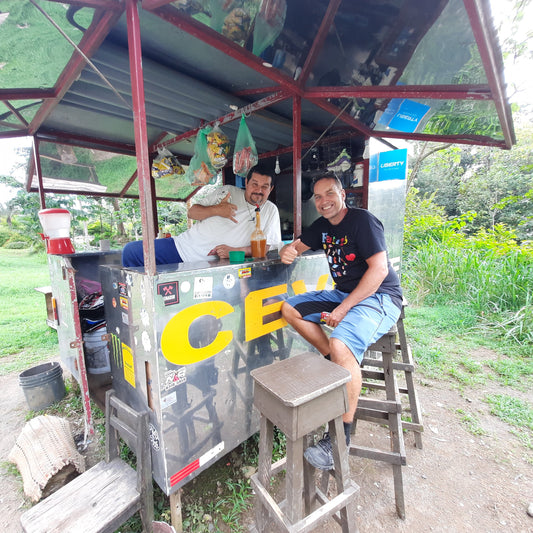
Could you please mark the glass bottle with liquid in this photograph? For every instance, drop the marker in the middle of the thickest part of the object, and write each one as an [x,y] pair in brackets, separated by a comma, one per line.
[258,238]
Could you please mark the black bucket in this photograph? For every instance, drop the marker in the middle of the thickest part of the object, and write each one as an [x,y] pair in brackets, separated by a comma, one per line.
[43,385]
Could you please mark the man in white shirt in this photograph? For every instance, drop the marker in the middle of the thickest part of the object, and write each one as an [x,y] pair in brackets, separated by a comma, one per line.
[226,220]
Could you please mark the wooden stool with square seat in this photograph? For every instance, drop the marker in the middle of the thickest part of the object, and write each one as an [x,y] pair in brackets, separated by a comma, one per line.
[299,395]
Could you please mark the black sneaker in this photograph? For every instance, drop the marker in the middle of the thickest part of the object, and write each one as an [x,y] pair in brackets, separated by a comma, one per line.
[320,455]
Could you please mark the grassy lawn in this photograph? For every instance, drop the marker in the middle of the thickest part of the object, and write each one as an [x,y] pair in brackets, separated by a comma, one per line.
[25,338]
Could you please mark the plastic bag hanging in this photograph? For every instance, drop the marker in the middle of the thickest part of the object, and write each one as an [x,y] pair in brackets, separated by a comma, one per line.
[245,154]
[268,24]
[166,165]
[218,147]
[200,171]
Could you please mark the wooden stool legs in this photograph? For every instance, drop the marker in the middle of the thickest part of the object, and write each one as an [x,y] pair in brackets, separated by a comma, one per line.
[299,395]
[384,412]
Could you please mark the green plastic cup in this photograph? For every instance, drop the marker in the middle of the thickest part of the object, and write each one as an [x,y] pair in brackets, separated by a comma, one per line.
[236,256]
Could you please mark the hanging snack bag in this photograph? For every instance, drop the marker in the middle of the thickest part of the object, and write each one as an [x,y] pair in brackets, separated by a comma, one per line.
[268,24]
[245,155]
[218,147]
[237,25]
[166,165]
[201,171]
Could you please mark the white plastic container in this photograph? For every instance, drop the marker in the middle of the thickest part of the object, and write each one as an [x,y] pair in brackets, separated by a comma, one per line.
[96,352]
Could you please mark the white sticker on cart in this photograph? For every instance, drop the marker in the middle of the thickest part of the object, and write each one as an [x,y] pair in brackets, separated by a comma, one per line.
[229,281]
[211,454]
[185,286]
[125,319]
[145,337]
[203,288]
[168,400]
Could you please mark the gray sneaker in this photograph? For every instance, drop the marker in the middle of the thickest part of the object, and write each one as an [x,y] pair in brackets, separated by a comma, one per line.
[320,455]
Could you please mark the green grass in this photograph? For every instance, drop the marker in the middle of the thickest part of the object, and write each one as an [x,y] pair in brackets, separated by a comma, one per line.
[25,338]
[444,338]
[516,413]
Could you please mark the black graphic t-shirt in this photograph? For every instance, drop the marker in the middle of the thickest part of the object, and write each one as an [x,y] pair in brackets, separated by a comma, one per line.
[347,245]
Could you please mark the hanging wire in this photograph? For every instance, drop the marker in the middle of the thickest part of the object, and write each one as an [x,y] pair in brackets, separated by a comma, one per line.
[327,129]
[78,49]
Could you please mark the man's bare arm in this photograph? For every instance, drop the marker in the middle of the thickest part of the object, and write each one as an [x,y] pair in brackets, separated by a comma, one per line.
[224,209]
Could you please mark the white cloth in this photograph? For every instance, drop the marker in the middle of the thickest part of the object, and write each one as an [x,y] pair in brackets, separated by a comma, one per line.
[195,243]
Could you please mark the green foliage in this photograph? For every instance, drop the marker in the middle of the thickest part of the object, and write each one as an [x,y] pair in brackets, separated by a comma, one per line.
[471,422]
[488,270]
[496,185]
[25,338]
[33,54]
[512,410]
[99,230]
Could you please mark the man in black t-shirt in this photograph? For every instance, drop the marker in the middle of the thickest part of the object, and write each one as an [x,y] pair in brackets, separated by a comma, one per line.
[364,304]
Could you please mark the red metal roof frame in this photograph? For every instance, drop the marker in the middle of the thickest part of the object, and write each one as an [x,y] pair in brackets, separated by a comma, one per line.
[107,14]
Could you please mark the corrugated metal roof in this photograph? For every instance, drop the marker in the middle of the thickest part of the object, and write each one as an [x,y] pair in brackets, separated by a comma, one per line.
[194,75]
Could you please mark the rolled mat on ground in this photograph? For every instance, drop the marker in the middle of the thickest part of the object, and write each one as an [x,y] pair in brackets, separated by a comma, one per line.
[44,447]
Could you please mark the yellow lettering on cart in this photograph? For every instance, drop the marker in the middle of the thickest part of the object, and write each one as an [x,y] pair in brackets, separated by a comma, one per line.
[299,287]
[129,366]
[175,343]
[255,311]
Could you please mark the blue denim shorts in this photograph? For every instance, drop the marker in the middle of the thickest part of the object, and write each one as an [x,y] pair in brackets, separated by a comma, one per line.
[364,323]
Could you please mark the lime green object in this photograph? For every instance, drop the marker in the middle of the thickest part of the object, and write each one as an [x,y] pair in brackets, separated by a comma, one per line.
[236,256]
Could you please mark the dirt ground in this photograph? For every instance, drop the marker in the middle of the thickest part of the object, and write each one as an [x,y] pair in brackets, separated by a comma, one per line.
[458,482]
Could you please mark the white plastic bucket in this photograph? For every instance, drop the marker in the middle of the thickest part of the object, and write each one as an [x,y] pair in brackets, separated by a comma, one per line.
[96,352]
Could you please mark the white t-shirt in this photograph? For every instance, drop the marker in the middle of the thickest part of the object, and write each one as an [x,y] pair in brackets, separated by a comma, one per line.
[195,243]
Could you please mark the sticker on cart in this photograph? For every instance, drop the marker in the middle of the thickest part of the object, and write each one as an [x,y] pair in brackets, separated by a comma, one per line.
[155,441]
[169,292]
[125,319]
[168,400]
[173,378]
[229,281]
[116,349]
[123,302]
[195,465]
[245,272]
[129,367]
[122,290]
[203,288]
[185,287]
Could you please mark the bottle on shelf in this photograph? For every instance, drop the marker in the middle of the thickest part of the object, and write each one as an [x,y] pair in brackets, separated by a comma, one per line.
[258,238]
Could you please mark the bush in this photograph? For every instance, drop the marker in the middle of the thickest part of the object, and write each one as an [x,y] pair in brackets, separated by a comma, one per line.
[5,234]
[16,245]
[489,272]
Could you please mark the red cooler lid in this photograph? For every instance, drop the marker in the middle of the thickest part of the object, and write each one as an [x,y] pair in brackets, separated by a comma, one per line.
[53,210]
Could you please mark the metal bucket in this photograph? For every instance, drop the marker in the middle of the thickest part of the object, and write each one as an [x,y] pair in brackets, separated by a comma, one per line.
[43,385]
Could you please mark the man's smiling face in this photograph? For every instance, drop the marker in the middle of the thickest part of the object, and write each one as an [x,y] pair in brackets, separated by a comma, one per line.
[329,200]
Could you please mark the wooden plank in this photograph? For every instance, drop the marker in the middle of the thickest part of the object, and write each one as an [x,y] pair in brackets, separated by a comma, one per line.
[378,455]
[104,495]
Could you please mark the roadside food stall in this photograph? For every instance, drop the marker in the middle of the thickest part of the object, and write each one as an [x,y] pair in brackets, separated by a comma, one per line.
[322,85]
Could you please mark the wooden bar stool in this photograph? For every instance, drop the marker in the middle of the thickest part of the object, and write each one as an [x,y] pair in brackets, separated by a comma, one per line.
[383,411]
[406,365]
[299,395]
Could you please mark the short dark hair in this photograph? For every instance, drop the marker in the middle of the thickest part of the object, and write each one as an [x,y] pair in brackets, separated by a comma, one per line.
[264,169]
[327,176]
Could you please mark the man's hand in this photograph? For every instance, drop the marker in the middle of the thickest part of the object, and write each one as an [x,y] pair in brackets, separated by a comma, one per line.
[222,250]
[227,209]
[289,252]
[336,316]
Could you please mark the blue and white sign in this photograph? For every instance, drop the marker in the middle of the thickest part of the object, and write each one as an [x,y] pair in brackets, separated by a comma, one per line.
[391,165]
[403,115]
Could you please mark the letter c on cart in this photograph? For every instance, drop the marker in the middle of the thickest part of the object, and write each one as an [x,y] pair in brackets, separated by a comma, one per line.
[175,343]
